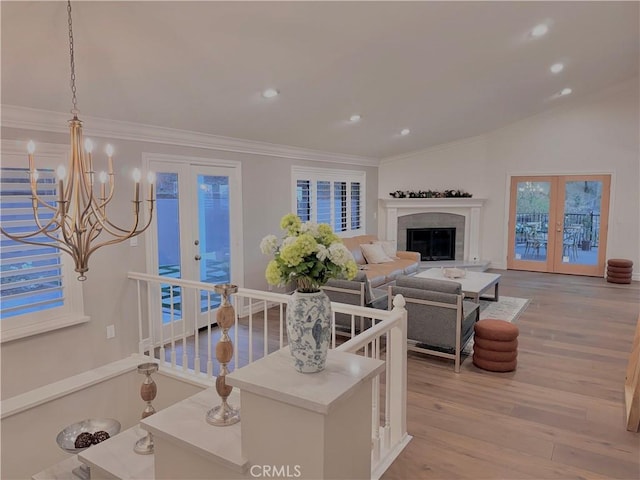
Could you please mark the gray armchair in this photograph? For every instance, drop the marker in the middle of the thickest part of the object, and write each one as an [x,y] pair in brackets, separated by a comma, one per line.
[439,321]
[355,292]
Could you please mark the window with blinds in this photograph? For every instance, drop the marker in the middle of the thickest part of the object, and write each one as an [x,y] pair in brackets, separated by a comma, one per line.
[339,206]
[323,202]
[330,196]
[31,275]
[303,200]
[355,206]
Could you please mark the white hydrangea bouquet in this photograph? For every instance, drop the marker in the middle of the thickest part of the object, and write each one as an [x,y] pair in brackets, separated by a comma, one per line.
[310,255]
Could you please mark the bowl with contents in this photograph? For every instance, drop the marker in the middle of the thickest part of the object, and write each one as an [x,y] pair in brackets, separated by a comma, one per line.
[81,435]
[454,272]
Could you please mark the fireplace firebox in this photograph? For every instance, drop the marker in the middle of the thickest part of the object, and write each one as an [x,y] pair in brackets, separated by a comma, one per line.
[432,243]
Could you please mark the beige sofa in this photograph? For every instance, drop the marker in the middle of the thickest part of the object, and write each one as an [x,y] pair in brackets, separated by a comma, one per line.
[379,274]
[362,290]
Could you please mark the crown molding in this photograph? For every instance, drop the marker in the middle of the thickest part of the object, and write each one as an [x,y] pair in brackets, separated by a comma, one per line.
[48,121]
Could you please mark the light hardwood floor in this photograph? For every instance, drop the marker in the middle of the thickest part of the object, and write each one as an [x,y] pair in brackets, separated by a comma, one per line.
[560,415]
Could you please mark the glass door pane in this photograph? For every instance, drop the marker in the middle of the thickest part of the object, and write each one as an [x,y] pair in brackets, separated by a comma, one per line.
[168,235]
[581,227]
[530,227]
[198,237]
[559,224]
[213,234]
[581,220]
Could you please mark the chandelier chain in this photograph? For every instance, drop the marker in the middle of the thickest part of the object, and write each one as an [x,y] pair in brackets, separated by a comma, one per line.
[73,221]
[74,111]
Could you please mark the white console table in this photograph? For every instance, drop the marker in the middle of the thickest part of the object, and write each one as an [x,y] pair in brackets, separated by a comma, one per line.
[311,425]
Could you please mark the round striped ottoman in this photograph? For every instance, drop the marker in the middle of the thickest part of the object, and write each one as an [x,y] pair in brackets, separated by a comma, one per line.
[495,345]
[619,270]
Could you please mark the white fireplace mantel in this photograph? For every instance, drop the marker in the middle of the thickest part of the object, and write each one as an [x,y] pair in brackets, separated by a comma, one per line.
[470,208]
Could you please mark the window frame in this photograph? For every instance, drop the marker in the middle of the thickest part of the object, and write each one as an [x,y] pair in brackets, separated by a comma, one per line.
[314,175]
[14,155]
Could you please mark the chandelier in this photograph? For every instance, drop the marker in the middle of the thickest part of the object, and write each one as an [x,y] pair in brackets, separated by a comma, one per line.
[74,221]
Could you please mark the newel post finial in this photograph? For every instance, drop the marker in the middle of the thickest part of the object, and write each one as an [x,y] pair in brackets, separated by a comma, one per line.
[399,302]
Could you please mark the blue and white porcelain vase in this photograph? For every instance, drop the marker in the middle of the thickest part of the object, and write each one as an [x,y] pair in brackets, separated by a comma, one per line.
[309,330]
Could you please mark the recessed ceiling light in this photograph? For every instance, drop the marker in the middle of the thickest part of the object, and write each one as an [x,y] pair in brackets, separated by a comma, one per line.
[566,91]
[355,118]
[539,30]
[405,131]
[556,68]
[270,93]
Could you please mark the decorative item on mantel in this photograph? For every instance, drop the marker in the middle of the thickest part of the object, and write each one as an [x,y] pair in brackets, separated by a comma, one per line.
[148,392]
[224,414]
[430,194]
[309,256]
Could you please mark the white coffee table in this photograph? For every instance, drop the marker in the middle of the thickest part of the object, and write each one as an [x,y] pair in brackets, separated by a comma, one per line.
[473,284]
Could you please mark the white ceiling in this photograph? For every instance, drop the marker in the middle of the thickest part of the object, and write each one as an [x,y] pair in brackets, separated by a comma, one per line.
[446,70]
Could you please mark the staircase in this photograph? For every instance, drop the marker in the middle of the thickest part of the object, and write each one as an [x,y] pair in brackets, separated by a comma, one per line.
[318,426]
[180,432]
[348,421]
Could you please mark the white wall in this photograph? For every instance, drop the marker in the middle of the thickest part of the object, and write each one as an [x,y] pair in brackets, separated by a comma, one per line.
[597,134]
[29,437]
[109,298]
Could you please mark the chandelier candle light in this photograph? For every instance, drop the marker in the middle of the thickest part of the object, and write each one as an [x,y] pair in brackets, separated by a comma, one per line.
[80,216]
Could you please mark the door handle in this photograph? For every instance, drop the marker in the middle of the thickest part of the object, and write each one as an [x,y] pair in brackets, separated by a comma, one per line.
[197,258]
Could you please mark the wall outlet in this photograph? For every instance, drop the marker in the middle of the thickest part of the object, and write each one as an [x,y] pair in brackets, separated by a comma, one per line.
[133,241]
[111,331]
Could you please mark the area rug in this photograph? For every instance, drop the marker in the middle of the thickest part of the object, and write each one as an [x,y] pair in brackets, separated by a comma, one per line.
[508,309]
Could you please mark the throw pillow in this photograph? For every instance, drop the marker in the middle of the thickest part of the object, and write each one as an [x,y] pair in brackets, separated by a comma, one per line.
[389,247]
[373,253]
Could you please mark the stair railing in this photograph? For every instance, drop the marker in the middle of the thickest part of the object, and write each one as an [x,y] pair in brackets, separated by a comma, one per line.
[259,329]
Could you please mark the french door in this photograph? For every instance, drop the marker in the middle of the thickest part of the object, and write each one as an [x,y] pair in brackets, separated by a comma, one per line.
[559,224]
[197,237]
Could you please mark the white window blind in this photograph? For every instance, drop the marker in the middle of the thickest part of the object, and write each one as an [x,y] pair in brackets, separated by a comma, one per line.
[335,197]
[323,202]
[303,200]
[31,275]
[355,205]
[38,287]
[340,206]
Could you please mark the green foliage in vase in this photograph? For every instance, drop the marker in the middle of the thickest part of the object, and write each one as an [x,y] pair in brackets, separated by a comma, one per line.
[310,254]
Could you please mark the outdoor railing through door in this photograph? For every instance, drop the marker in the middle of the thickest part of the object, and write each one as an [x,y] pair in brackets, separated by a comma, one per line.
[260,329]
[526,223]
